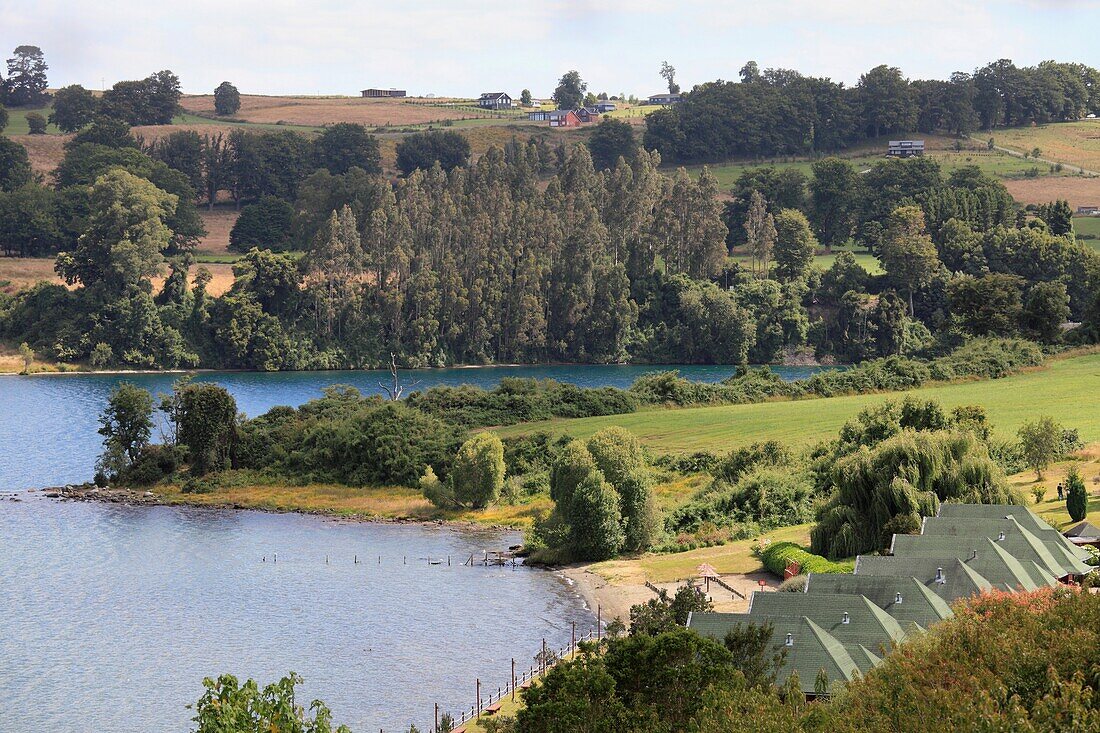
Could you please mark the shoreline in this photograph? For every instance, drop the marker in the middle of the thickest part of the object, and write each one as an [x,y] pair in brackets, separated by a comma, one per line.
[146,498]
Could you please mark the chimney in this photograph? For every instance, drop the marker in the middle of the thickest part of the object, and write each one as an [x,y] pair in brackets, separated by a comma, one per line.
[790,640]
[939,576]
[1001,536]
[897,598]
[973,556]
[845,619]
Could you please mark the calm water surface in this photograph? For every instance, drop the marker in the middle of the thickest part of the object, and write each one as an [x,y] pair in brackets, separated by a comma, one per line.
[48,423]
[111,616]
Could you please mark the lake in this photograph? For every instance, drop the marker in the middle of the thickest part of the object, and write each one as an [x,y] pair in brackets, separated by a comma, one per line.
[111,615]
[48,423]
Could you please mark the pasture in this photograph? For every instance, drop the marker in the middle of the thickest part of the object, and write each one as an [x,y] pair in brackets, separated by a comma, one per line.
[1075,143]
[1055,389]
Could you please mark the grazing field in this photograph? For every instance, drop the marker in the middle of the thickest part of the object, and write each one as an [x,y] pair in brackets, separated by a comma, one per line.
[1075,143]
[1077,190]
[822,259]
[1056,389]
[320,111]
[17,121]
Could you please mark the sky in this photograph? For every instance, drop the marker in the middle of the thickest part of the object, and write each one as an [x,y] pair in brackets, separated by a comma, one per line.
[465,47]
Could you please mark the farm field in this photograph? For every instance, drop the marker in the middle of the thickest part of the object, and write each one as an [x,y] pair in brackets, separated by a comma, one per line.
[1054,390]
[1075,143]
[17,121]
[822,259]
[1077,190]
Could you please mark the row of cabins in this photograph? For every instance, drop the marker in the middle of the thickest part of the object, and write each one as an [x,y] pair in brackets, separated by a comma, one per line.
[844,624]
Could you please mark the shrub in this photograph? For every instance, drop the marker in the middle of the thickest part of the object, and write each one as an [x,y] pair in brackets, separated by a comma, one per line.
[478,472]
[265,224]
[1077,498]
[36,123]
[777,555]
[153,464]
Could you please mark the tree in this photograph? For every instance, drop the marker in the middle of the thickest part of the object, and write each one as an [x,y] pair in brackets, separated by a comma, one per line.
[226,705]
[26,84]
[267,224]
[125,237]
[478,471]
[834,200]
[15,166]
[110,133]
[569,93]
[1077,498]
[74,108]
[1045,309]
[572,466]
[424,149]
[795,245]
[525,97]
[1058,215]
[347,145]
[760,231]
[618,456]
[986,306]
[908,255]
[125,424]
[153,100]
[612,139]
[1041,443]
[36,123]
[596,531]
[26,353]
[668,73]
[227,100]
[162,97]
[667,613]
[207,425]
[887,101]
[3,113]
[754,655]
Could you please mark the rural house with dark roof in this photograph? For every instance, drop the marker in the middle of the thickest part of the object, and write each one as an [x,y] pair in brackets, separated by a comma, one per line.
[494,100]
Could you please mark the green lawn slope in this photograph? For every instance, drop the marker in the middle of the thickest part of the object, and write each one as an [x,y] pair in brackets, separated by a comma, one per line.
[1065,388]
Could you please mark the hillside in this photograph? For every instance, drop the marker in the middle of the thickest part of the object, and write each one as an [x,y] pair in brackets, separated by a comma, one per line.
[1054,390]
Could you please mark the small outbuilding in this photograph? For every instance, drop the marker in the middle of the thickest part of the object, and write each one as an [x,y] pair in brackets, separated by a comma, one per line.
[376,93]
[1084,534]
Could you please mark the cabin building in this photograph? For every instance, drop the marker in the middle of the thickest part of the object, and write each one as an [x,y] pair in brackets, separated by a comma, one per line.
[376,93]
[665,99]
[905,149]
[494,100]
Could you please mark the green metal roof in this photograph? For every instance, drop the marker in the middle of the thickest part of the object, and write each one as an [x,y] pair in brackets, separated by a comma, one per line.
[1003,570]
[852,619]
[959,580]
[1017,541]
[906,599]
[811,647]
[1028,519]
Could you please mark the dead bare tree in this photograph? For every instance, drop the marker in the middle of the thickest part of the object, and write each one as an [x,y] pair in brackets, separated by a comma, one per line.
[397,389]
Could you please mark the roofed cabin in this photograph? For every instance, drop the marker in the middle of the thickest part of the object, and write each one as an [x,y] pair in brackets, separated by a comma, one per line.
[376,93]
[494,100]
[905,149]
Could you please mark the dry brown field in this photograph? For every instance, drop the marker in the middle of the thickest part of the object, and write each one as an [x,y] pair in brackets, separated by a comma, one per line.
[1078,190]
[320,111]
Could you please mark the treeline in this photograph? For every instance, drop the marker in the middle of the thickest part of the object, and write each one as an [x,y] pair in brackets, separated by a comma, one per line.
[782,112]
[528,255]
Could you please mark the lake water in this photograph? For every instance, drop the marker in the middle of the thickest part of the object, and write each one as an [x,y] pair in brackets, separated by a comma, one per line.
[48,423]
[111,616]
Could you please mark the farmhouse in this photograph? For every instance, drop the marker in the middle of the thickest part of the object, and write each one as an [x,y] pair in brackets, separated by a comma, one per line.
[605,107]
[1088,211]
[843,624]
[494,100]
[905,148]
[665,99]
[373,93]
[564,118]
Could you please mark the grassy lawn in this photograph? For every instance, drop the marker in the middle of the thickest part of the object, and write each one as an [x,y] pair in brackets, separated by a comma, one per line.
[17,121]
[824,261]
[1087,229]
[1056,389]
[193,119]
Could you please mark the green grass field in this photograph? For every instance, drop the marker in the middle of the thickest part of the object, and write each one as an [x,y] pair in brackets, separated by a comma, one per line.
[1060,389]
[866,260]
[1087,229]
[17,121]
[999,165]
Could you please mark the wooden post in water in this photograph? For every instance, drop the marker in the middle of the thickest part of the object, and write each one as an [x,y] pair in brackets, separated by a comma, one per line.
[542,661]
[599,622]
[436,729]
[573,643]
[478,706]
[513,679]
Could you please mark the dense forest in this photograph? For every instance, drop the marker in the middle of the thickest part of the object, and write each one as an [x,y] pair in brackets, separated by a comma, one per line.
[781,112]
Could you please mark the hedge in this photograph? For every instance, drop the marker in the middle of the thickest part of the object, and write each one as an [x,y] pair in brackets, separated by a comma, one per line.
[778,555]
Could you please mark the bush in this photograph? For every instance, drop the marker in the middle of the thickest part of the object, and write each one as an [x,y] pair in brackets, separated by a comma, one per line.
[36,123]
[153,464]
[1077,498]
[777,555]
[266,224]
[478,472]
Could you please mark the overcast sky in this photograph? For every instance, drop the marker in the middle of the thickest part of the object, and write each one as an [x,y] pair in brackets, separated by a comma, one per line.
[463,47]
